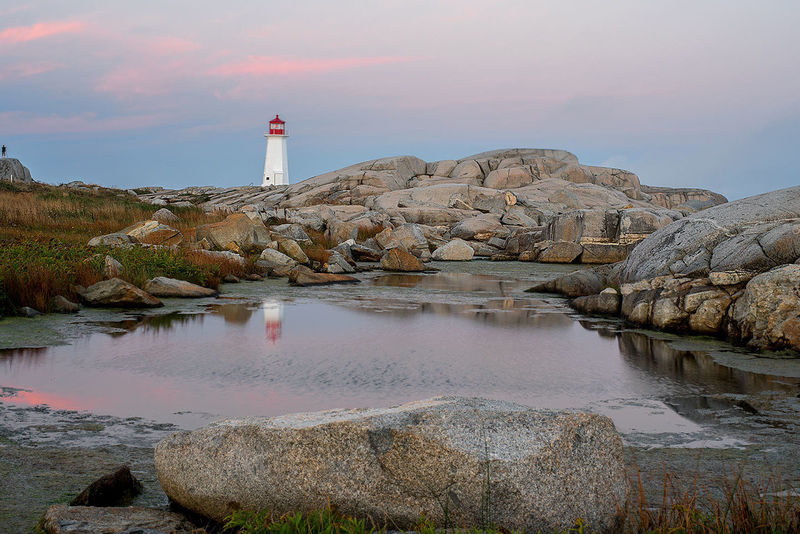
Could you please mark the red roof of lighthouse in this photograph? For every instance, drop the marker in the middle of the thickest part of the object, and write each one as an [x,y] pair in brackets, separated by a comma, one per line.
[277,120]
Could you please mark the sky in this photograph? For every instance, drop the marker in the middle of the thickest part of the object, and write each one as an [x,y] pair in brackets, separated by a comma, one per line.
[701,93]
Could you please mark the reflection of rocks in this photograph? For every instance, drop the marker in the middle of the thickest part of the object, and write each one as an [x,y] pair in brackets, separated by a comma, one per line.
[233,313]
[507,312]
[658,358]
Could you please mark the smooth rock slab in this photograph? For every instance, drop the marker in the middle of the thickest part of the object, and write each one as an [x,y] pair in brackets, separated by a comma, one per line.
[118,293]
[546,469]
[164,287]
[61,519]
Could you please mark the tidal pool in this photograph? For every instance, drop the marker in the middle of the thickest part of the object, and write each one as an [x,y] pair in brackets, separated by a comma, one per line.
[267,349]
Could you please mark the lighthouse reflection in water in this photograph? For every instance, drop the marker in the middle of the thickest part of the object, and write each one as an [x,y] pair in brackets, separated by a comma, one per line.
[273,315]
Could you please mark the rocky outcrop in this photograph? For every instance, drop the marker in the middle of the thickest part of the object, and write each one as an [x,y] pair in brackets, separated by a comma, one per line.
[486,199]
[686,200]
[12,170]
[165,216]
[164,287]
[768,312]
[757,232]
[731,270]
[439,458]
[116,293]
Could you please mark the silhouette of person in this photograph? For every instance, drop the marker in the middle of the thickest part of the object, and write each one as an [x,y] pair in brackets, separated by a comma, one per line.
[4,150]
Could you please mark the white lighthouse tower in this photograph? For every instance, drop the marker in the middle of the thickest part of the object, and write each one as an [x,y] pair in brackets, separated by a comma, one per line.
[276,164]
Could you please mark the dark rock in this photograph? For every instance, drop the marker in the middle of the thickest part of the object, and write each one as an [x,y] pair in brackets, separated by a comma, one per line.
[577,284]
[115,489]
[27,311]
[230,279]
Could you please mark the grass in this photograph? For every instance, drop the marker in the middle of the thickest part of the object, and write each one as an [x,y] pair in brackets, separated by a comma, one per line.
[741,508]
[43,253]
[40,212]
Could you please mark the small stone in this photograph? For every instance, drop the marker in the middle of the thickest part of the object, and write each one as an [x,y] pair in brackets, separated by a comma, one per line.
[61,304]
[111,268]
[399,260]
[164,287]
[230,279]
[27,311]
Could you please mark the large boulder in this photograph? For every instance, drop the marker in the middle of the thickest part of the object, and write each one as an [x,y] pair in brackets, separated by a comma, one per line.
[479,228]
[153,233]
[767,315]
[238,228]
[449,459]
[164,287]
[116,293]
[576,284]
[559,252]
[455,250]
[689,245]
[400,260]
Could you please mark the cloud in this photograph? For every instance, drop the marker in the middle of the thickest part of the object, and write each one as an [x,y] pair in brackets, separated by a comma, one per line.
[21,34]
[22,123]
[23,70]
[267,65]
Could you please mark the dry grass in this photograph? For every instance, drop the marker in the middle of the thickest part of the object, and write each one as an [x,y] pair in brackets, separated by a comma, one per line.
[317,253]
[767,508]
[41,212]
[368,231]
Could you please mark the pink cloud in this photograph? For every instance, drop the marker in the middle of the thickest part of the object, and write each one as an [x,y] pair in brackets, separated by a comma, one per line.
[20,34]
[21,123]
[23,70]
[265,65]
[173,45]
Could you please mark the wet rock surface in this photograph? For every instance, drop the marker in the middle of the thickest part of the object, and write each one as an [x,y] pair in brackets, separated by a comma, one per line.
[61,519]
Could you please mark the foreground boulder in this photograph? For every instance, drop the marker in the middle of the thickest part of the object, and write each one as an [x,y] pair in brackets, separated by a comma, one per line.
[116,293]
[164,287]
[61,519]
[541,469]
[12,170]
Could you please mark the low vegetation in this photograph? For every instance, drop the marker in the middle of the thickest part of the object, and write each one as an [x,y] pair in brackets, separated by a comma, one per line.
[43,253]
[742,509]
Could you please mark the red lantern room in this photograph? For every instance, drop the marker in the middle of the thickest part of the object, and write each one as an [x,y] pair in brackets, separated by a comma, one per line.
[277,126]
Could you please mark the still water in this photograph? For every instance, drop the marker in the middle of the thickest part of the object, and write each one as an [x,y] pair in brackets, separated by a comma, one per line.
[267,349]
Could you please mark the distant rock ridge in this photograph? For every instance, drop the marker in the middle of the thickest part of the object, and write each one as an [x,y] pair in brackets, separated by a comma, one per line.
[12,170]
[519,203]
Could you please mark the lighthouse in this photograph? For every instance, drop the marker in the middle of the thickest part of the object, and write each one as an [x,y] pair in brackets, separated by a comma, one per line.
[276,163]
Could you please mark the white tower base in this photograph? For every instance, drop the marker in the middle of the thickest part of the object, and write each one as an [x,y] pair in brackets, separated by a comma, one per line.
[276,163]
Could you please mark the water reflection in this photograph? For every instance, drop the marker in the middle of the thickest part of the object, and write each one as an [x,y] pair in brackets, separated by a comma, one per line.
[273,317]
[465,282]
[657,357]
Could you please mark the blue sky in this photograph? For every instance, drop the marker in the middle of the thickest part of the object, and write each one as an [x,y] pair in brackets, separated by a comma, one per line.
[684,93]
